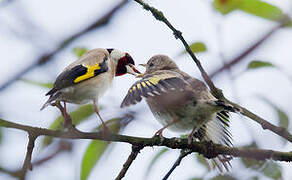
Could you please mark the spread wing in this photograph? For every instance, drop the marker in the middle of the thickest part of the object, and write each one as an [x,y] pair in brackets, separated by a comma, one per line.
[77,74]
[154,85]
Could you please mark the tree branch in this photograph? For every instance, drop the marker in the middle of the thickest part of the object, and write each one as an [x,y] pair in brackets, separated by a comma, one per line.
[48,56]
[208,149]
[131,158]
[183,154]
[243,54]
[178,35]
[62,147]
[215,91]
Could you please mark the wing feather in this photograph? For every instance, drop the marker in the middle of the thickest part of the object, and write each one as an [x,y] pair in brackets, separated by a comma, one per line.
[78,74]
[151,86]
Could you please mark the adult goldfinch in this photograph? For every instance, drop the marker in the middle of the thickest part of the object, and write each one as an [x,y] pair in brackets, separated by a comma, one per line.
[182,103]
[87,78]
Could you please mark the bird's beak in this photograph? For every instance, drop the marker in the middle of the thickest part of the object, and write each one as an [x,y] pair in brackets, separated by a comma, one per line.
[131,69]
[141,74]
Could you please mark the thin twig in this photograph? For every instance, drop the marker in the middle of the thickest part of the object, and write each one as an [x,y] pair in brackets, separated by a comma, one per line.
[243,54]
[48,56]
[63,147]
[265,124]
[178,35]
[127,164]
[183,154]
[215,91]
[209,150]
[27,161]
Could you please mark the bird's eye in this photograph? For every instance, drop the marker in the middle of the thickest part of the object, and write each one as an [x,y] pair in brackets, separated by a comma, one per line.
[151,64]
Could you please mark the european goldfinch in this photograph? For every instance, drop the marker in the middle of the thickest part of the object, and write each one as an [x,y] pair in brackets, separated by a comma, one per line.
[87,78]
[182,103]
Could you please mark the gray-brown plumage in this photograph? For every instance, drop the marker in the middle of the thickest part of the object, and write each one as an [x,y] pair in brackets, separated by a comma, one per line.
[87,78]
[182,103]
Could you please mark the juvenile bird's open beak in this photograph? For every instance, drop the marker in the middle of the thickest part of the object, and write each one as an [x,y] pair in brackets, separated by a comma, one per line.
[131,69]
[144,65]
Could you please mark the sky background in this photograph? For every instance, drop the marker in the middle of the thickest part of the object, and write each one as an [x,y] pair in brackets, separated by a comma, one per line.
[134,30]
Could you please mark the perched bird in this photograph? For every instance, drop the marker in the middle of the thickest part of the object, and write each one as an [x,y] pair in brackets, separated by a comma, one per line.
[182,103]
[87,78]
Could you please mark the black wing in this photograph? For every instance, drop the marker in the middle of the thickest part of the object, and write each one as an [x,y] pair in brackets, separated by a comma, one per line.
[78,74]
[153,86]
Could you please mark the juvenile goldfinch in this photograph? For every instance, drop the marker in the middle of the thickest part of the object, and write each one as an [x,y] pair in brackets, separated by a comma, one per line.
[182,103]
[87,78]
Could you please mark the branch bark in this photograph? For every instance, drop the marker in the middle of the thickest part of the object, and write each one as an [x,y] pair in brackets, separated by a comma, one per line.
[131,158]
[207,149]
[214,90]
[177,163]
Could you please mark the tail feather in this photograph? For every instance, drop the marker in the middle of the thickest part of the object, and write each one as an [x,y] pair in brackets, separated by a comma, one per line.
[217,132]
[227,107]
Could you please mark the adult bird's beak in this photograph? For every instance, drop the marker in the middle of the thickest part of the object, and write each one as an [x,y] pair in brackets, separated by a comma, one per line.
[141,74]
[131,69]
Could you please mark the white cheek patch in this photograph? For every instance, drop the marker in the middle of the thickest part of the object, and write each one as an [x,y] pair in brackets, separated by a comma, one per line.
[117,54]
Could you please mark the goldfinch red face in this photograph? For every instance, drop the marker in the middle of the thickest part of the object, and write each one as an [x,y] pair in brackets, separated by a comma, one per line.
[124,62]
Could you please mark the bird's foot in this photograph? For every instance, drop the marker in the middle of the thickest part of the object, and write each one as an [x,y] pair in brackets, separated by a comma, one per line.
[159,134]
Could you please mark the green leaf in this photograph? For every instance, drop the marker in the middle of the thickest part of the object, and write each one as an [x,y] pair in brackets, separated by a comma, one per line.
[198,47]
[273,170]
[97,148]
[223,177]
[203,161]
[46,85]
[91,156]
[261,9]
[252,163]
[1,136]
[284,120]
[255,7]
[79,51]
[254,178]
[282,116]
[154,160]
[226,6]
[259,64]
[79,115]
[196,178]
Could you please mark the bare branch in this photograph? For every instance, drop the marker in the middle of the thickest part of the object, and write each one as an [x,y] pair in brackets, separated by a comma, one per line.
[178,35]
[48,56]
[243,54]
[183,154]
[208,149]
[215,91]
[131,158]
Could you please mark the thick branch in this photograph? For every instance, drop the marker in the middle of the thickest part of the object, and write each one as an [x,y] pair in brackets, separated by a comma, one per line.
[100,22]
[215,91]
[131,158]
[208,149]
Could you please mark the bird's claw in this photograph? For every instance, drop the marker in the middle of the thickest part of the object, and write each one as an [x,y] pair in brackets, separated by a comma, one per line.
[190,139]
[159,134]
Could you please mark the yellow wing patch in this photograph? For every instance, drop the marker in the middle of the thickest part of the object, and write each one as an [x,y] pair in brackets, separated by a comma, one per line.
[88,74]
